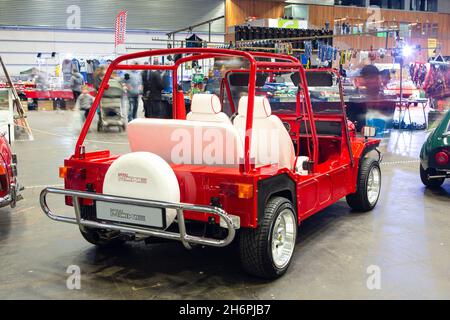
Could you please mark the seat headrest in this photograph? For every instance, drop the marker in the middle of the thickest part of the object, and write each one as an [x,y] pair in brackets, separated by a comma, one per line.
[261,107]
[205,103]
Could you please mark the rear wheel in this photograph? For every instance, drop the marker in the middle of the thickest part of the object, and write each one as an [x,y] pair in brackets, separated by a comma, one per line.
[425,177]
[368,186]
[267,251]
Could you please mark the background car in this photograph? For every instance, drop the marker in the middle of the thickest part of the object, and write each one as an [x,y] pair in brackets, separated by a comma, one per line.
[435,155]
[9,188]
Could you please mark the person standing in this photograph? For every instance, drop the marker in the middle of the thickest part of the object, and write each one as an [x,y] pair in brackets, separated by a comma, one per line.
[133,83]
[76,82]
[99,73]
[152,97]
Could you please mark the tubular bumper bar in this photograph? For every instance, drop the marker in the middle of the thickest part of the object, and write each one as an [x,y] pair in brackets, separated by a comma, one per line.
[182,236]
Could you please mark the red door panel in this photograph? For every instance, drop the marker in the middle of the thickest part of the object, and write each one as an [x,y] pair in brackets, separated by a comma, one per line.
[307,197]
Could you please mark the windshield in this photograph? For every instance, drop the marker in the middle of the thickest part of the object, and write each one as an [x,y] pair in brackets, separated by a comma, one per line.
[325,99]
[278,88]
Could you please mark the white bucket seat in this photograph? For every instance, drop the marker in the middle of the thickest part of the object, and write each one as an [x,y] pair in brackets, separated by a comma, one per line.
[271,143]
[207,107]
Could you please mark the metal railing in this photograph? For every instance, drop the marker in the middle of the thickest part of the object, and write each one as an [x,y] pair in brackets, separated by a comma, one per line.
[182,236]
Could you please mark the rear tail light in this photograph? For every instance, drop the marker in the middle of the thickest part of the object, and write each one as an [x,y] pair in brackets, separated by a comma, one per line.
[72,173]
[239,190]
[2,169]
[63,172]
[441,158]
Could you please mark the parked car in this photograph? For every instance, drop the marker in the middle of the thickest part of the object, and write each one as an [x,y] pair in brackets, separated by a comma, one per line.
[435,155]
[204,178]
[9,187]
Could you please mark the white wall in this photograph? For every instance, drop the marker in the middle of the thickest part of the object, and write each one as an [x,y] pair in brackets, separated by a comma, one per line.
[20,46]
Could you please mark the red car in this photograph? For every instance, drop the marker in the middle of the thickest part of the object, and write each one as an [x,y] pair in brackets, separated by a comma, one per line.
[205,177]
[9,187]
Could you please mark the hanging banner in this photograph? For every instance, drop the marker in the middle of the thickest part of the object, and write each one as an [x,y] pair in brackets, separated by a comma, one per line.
[121,28]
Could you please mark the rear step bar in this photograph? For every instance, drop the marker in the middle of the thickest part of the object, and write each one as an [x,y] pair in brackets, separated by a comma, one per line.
[182,236]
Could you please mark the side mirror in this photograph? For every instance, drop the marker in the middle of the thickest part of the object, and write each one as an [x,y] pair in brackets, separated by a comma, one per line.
[368,131]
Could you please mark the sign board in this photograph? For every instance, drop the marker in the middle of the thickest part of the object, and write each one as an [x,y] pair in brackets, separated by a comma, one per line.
[432,44]
[288,23]
[278,23]
[285,23]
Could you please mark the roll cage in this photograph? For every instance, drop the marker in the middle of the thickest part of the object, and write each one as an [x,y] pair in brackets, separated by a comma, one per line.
[287,64]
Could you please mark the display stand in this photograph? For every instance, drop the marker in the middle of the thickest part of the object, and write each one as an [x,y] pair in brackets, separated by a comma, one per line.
[6,114]
[20,120]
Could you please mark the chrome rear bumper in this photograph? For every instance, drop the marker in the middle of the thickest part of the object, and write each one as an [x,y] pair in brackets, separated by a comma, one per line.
[6,200]
[182,236]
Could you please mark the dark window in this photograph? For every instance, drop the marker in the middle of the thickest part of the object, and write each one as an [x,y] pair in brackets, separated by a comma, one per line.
[432,5]
[358,3]
[424,5]
[388,4]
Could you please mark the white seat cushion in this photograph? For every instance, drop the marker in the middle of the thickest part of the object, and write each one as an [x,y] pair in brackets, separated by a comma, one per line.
[187,142]
[271,143]
[207,107]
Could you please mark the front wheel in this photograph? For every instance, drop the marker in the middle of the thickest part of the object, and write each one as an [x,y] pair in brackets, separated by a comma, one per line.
[425,177]
[368,186]
[267,251]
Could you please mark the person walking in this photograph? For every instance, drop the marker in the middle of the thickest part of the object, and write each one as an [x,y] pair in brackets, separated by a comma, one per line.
[152,97]
[84,102]
[76,83]
[133,83]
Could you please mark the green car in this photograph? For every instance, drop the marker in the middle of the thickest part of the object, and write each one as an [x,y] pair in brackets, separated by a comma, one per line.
[435,155]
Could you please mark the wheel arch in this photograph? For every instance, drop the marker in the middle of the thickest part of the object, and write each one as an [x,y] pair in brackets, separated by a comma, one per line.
[368,147]
[371,145]
[280,185]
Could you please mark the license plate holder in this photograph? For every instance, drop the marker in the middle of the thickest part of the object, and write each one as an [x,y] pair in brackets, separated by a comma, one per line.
[131,214]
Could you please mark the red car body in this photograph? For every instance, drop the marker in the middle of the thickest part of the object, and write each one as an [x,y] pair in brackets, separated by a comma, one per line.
[333,171]
[8,174]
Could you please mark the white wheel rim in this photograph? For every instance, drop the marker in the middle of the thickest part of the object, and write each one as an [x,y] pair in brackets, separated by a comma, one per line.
[283,238]
[373,185]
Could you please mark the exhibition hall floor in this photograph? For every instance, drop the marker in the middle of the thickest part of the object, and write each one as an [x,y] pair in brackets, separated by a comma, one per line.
[405,240]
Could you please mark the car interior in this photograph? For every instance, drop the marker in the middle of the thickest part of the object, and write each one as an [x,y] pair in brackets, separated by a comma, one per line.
[274,140]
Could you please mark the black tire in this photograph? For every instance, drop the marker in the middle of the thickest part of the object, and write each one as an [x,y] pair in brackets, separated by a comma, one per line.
[99,126]
[430,183]
[255,245]
[359,201]
[93,236]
